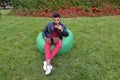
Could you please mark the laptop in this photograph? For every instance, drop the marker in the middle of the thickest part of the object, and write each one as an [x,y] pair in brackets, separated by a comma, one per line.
[52,40]
[48,40]
[55,40]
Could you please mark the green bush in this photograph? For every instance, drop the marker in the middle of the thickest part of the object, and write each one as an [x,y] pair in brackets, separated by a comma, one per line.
[30,5]
[55,4]
[33,5]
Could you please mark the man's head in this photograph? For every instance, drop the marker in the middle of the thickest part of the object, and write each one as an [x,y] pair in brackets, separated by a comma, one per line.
[56,17]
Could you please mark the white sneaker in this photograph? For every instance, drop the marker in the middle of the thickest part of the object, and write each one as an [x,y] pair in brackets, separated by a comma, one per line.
[49,68]
[44,65]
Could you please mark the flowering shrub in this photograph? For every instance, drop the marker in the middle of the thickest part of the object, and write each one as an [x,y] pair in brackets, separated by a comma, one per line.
[72,12]
[67,8]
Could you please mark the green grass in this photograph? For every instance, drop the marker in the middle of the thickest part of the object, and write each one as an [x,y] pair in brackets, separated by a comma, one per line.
[95,54]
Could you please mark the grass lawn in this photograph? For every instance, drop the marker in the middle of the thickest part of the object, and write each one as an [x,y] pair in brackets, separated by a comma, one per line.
[95,54]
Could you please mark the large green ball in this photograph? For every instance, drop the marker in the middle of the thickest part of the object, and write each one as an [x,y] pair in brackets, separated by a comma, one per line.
[67,43]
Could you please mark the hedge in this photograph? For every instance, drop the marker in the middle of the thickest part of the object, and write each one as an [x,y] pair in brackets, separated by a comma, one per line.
[30,5]
[55,4]
[71,7]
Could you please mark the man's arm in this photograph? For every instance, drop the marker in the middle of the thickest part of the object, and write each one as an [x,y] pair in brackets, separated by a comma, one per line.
[64,31]
[44,32]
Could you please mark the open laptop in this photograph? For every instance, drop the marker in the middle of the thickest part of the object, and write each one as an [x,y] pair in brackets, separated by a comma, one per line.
[52,40]
[55,40]
[48,40]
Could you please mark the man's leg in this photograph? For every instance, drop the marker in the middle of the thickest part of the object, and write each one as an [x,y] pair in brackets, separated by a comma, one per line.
[47,53]
[56,49]
[47,67]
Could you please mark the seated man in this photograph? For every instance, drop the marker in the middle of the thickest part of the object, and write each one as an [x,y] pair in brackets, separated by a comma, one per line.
[53,34]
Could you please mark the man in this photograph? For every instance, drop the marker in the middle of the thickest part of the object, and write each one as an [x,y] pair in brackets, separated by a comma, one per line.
[52,35]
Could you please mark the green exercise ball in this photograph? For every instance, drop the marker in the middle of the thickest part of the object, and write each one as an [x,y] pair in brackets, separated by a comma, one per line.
[67,43]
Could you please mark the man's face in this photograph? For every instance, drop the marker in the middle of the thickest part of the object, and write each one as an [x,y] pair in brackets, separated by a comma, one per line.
[57,20]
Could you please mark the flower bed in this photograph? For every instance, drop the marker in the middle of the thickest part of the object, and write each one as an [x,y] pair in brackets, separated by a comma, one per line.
[72,12]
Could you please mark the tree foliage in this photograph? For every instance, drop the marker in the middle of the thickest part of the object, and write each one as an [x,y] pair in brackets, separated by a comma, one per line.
[66,7]
[28,5]
[55,4]
[4,3]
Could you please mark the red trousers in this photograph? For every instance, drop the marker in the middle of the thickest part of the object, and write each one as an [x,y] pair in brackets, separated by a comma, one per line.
[51,54]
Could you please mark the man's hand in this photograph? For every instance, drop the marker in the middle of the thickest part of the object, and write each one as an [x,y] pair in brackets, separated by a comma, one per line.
[44,37]
[59,27]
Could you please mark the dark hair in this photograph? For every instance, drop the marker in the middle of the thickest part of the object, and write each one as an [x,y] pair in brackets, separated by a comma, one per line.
[55,15]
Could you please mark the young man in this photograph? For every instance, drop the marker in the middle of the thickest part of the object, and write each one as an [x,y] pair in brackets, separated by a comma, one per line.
[53,34]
